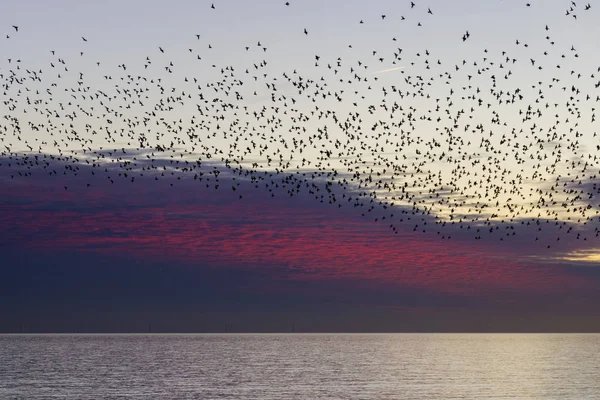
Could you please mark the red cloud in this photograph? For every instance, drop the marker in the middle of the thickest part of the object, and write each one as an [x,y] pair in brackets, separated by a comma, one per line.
[213,229]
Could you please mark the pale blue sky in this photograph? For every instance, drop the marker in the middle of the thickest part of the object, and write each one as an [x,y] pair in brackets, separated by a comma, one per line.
[449,168]
[127,32]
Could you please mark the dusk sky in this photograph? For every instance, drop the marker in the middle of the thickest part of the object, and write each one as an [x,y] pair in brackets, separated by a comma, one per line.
[317,166]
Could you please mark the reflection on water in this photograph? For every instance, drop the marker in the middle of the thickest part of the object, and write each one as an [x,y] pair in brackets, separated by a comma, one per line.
[304,366]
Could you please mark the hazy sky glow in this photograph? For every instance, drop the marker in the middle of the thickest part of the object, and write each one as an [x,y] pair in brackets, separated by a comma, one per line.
[258,165]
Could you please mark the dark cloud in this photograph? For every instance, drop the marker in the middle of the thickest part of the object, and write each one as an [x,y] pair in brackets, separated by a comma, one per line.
[145,247]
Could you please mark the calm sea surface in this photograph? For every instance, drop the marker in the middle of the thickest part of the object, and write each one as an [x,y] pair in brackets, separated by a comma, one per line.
[328,366]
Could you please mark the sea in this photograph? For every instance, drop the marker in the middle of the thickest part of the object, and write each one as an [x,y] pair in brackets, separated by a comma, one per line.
[300,366]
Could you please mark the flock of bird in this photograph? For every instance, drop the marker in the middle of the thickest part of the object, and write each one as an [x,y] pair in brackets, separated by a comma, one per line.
[448,146]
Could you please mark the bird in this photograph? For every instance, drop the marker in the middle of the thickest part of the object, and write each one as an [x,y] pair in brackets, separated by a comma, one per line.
[484,144]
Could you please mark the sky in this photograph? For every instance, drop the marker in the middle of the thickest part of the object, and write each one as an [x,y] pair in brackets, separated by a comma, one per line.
[266,167]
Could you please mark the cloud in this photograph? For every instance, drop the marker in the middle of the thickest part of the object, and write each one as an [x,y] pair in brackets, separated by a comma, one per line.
[295,238]
[149,245]
[388,70]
